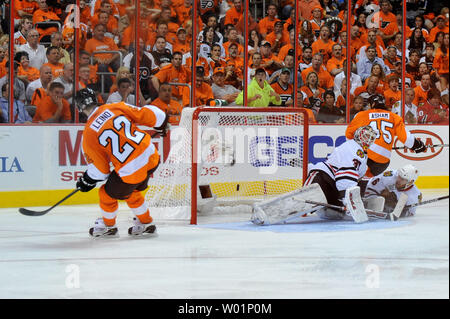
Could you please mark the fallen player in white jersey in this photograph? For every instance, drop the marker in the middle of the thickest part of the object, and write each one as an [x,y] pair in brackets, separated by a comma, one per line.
[333,182]
[391,185]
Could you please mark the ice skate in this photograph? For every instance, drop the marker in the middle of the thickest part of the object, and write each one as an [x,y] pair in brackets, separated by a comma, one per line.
[140,229]
[101,230]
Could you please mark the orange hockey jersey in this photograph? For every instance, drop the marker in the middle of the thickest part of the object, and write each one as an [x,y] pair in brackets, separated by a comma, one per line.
[111,136]
[387,125]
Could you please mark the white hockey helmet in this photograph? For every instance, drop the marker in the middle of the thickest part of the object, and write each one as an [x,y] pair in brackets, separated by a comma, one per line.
[365,136]
[409,174]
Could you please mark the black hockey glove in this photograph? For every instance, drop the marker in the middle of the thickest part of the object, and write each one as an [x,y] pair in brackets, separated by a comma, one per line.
[85,183]
[418,146]
[162,129]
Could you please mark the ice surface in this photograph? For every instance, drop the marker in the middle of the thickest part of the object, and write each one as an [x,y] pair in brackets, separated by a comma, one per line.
[52,256]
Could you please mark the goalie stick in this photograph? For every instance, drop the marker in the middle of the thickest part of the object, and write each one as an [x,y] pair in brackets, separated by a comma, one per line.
[29,212]
[427,146]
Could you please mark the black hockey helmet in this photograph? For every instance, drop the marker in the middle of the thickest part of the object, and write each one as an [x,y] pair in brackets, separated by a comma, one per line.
[376,101]
[84,98]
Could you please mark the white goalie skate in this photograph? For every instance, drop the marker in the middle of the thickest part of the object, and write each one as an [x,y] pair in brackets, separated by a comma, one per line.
[140,229]
[101,230]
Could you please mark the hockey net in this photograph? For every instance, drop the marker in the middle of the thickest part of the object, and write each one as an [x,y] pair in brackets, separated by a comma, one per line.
[226,157]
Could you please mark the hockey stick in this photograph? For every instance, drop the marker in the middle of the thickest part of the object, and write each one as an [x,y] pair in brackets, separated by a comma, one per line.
[29,212]
[370,213]
[428,201]
[427,146]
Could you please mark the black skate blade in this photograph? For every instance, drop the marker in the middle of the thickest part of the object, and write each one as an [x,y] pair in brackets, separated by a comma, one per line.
[150,231]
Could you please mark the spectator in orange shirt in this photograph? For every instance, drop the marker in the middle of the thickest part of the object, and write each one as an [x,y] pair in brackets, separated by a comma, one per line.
[391,58]
[316,21]
[441,62]
[325,79]
[23,8]
[53,108]
[277,37]
[421,91]
[203,91]
[267,24]
[180,44]
[323,44]
[440,27]
[335,65]
[392,94]
[270,62]
[175,73]
[233,15]
[109,21]
[357,106]
[53,57]
[282,87]
[235,59]
[104,60]
[233,38]
[43,14]
[184,12]
[312,90]
[305,8]
[170,106]
[386,21]
[25,72]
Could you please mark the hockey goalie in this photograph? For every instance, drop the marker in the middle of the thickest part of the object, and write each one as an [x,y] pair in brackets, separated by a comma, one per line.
[330,189]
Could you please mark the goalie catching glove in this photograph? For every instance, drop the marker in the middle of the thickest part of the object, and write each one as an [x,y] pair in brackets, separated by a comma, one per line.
[85,183]
[418,146]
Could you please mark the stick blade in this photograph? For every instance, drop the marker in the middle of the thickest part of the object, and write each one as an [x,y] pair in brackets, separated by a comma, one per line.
[28,212]
[395,215]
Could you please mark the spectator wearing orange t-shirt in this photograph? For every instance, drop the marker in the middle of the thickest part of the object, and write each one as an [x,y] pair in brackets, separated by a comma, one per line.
[175,73]
[312,90]
[392,94]
[305,8]
[181,44]
[25,72]
[170,106]
[203,91]
[267,24]
[323,44]
[440,27]
[233,15]
[184,12]
[43,14]
[53,57]
[99,42]
[24,8]
[325,79]
[53,108]
[335,65]
[421,91]
[277,37]
[386,21]
[270,62]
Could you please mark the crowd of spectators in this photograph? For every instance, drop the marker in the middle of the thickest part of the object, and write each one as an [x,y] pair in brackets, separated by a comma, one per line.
[44,56]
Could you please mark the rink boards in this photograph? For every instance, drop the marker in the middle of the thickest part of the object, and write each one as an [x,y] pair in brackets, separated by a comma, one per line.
[40,164]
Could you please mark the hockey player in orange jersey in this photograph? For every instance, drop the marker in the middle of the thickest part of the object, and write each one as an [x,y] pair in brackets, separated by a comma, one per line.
[388,126]
[111,138]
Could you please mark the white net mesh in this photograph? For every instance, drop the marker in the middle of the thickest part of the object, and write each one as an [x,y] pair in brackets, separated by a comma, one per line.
[242,157]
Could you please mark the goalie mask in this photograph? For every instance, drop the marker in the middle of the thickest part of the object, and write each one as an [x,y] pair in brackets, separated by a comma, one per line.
[406,177]
[365,136]
[85,98]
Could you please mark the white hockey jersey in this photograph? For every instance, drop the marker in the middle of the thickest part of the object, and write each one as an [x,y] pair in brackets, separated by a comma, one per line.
[387,181]
[345,165]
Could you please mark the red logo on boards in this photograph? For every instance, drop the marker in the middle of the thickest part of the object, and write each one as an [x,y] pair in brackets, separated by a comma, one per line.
[429,138]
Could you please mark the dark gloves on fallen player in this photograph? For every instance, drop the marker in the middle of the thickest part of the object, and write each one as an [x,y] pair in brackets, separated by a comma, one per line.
[418,146]
[85,183]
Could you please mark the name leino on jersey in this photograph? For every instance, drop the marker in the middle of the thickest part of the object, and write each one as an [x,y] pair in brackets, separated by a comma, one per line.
[101,119]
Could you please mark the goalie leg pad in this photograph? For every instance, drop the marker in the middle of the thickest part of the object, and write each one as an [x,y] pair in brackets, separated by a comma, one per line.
[329,213]
[277,210]
[354,205]
[374,203]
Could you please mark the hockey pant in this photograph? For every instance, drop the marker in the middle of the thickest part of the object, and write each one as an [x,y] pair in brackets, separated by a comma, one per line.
[116,189]
[328,186]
